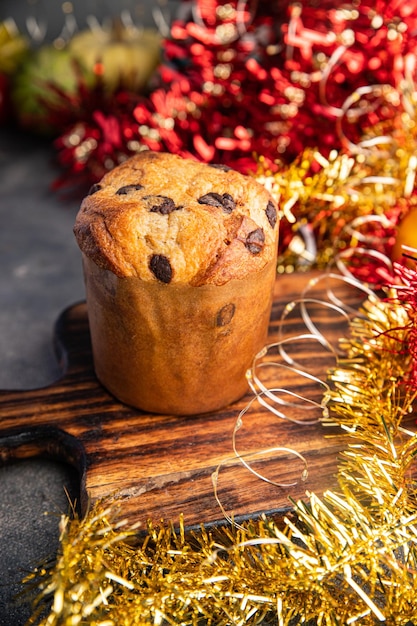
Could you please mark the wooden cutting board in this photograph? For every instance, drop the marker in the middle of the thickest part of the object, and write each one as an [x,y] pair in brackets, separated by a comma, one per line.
[160,466]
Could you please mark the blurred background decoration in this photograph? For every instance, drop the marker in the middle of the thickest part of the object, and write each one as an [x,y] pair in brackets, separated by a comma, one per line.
[48,50]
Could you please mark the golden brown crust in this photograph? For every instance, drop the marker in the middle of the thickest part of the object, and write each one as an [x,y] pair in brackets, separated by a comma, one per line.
[163,218]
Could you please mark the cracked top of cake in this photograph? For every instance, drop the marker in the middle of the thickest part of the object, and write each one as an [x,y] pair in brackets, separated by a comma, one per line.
[161,217]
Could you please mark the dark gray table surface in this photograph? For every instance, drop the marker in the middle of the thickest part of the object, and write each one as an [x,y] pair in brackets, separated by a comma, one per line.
[40,276]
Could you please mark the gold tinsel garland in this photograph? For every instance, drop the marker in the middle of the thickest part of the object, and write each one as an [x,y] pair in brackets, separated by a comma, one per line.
[348,200]
[349,557]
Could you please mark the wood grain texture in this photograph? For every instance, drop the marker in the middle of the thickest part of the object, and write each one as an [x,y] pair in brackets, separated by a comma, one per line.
[161,465]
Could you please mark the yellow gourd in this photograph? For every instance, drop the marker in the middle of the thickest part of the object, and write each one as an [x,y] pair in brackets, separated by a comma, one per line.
[124,56]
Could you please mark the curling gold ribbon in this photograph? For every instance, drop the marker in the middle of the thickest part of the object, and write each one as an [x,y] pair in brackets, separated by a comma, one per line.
[282,402]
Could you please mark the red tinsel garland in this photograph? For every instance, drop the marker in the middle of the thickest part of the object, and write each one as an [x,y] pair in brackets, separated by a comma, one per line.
[276,76]
[258,78]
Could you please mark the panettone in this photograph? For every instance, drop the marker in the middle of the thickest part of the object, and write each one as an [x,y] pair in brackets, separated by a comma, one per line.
[179,262]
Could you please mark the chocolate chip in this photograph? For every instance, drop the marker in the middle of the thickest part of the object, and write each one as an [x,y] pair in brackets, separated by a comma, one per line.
[94,188]
[228,203]
[163,205]
[225,315]
[161,268]
[271,213]
[255,241]
[123,191]
[219,166]
[224,201]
